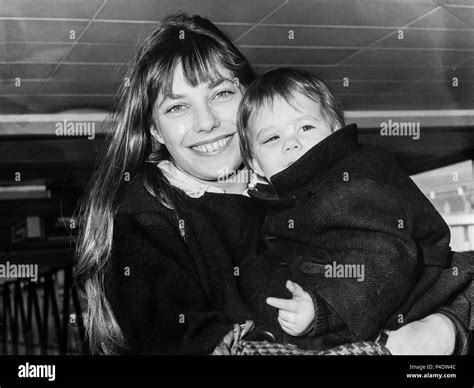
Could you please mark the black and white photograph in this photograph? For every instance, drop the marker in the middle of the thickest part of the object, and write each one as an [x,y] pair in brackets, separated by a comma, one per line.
[246,187]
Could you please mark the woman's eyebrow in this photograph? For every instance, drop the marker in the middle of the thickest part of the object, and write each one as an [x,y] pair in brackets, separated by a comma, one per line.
[219,81]
[170,96]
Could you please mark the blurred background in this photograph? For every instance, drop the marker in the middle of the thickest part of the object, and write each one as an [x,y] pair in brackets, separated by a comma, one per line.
[394,64]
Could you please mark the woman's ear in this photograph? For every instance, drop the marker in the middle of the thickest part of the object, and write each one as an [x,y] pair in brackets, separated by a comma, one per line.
[156,133]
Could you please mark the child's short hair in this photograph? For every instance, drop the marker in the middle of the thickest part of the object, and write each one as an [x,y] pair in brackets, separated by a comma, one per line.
[284,82]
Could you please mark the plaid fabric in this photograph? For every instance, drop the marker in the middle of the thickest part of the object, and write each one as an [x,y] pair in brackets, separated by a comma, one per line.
[263,348]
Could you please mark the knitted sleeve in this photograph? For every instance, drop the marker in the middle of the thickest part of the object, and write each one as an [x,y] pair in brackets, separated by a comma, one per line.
[155,292]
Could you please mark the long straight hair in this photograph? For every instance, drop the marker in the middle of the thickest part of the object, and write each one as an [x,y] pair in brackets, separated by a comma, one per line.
[200,47]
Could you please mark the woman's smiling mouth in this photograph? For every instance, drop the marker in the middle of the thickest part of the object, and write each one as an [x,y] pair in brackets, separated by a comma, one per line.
[213,147]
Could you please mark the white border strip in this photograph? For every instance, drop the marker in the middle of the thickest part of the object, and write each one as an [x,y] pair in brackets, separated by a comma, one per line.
[410,113]
[41,118]
[101,116]
[42,124]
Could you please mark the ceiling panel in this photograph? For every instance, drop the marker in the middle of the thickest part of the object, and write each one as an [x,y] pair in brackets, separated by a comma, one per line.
[20,31]
[353,13]
[108,32]
[442,18]
[367,72]
[9,105]
[358,101]
[301,56]
[399,57]
[468,62]
[333,39]
[230,11]
[52,104]
[363,87]
[455,2]
[36,53]
[74,87]
[91,73]
[50,8]
[25,87]
[85,52]
[463,73]
[235,31]
[312,36]
[378,73]
[38,70]
[421,101]
[463,14]
[462,90]
[430,39]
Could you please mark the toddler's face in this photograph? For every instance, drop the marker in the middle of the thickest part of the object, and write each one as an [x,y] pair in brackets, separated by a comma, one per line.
[281,135]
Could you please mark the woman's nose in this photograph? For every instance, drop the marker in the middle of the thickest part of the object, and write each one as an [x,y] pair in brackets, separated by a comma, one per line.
[206,119]
[291,144]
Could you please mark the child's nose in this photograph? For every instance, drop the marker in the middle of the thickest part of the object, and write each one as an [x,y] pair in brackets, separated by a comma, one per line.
[292,145]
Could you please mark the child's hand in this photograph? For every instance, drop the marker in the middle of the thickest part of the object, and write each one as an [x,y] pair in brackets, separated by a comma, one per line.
[297,314]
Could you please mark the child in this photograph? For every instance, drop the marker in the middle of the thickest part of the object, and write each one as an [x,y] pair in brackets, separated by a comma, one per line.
[362,243]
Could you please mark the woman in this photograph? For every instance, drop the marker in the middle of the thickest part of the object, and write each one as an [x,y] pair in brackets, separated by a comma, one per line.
[165,223]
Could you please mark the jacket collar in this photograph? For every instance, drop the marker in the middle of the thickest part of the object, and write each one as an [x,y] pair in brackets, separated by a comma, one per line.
[297,180]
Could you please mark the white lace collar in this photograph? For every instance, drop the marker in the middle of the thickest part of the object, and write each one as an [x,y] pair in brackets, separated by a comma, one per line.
[193,187]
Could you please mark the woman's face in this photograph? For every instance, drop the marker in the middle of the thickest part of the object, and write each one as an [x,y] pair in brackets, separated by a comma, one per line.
[198,125]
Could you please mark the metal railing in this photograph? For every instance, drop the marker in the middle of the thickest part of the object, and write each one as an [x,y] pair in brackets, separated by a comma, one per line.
[34,312]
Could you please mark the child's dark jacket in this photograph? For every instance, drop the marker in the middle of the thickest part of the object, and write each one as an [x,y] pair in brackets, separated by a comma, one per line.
[343,203]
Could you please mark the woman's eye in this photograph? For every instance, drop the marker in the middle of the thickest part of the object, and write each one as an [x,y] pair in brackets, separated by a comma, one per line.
[224,94]
[175,108]
[307,128]
[270,139]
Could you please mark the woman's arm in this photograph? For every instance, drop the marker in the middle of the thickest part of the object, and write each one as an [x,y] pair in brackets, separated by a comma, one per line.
[446,332]
[433,335]
[461,314]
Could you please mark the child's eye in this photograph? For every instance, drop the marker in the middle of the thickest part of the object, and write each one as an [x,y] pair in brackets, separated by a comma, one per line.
[270,139]
[175,108]
[307,128]
[224,94]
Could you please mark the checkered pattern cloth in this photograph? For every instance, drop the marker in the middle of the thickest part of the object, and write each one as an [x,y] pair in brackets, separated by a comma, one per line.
[264,348]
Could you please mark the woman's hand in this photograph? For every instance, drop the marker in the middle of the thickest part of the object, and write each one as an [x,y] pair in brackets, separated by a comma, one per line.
[433,335]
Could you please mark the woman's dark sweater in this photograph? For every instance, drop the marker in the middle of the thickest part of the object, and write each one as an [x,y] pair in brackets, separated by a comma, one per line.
[179,295]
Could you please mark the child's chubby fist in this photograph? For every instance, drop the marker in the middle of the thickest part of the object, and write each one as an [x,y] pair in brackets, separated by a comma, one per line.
[295,315]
